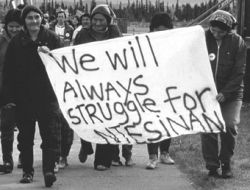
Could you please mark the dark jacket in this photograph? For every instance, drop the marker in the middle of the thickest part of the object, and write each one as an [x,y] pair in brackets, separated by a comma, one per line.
[4,41]
[89,35]
[26,82]
[228,64]
[68,33]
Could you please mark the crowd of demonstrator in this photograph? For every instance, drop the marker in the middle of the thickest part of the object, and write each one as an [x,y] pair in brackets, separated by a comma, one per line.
[27,97]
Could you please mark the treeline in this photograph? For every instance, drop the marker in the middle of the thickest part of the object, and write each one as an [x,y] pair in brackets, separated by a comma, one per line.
[136,10]
[142,10]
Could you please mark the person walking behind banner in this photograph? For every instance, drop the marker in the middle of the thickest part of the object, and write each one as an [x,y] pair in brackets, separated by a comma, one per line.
[64,31]
[227,54]
[67,137]
[85,20]
[126,153]
[85,23]
[12,26]
[45,21]
[159,22]
[101,29]
[62,28]
[26,84]
[75,21]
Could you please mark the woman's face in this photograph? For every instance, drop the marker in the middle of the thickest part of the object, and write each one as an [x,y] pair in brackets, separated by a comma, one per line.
[75,21]
[33,21]
[61,18]
[99,22]
[13,28]
[85,22]
[218,33]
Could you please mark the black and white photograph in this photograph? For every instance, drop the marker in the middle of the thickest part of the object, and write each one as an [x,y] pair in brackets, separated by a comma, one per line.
[125,94]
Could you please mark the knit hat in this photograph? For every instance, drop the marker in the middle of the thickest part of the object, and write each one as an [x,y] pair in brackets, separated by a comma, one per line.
[13,15]
[161,19]
[105,10]
[28,9]
[224,18]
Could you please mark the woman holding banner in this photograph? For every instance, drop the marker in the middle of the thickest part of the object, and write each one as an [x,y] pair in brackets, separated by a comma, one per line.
[227,54]
[159,22]
[26,84]
[102,29]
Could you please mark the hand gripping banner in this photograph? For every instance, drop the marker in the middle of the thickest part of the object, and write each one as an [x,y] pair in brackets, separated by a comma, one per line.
[137,89]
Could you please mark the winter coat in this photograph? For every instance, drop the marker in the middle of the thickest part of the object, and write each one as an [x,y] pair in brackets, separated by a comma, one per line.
[26,82]
[88,35]
[228,64]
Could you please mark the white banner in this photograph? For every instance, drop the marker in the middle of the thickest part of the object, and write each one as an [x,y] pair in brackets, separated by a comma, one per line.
[137,89]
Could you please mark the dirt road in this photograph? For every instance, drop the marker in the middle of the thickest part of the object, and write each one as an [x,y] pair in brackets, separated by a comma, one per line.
[84,177]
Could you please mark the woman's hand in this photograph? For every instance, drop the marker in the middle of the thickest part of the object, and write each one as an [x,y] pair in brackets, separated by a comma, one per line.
[43,49]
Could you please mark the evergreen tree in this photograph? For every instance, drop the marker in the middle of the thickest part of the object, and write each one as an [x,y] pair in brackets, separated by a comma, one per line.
[86,8]
[177,11]
[63,6]
[71,10]
[139,10]
[80,4]
[92,6]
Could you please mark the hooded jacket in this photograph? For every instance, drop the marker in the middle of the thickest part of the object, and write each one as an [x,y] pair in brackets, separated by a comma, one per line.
[88,35]
[228,64]
[105,10]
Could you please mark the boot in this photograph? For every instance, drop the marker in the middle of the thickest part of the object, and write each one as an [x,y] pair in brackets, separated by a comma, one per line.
[8,163]
[226,170]
[27,177]
[49,159]
[213,172]
[49,179]
[7,167]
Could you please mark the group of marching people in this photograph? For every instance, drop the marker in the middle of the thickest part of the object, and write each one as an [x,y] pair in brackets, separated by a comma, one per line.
[27,97]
